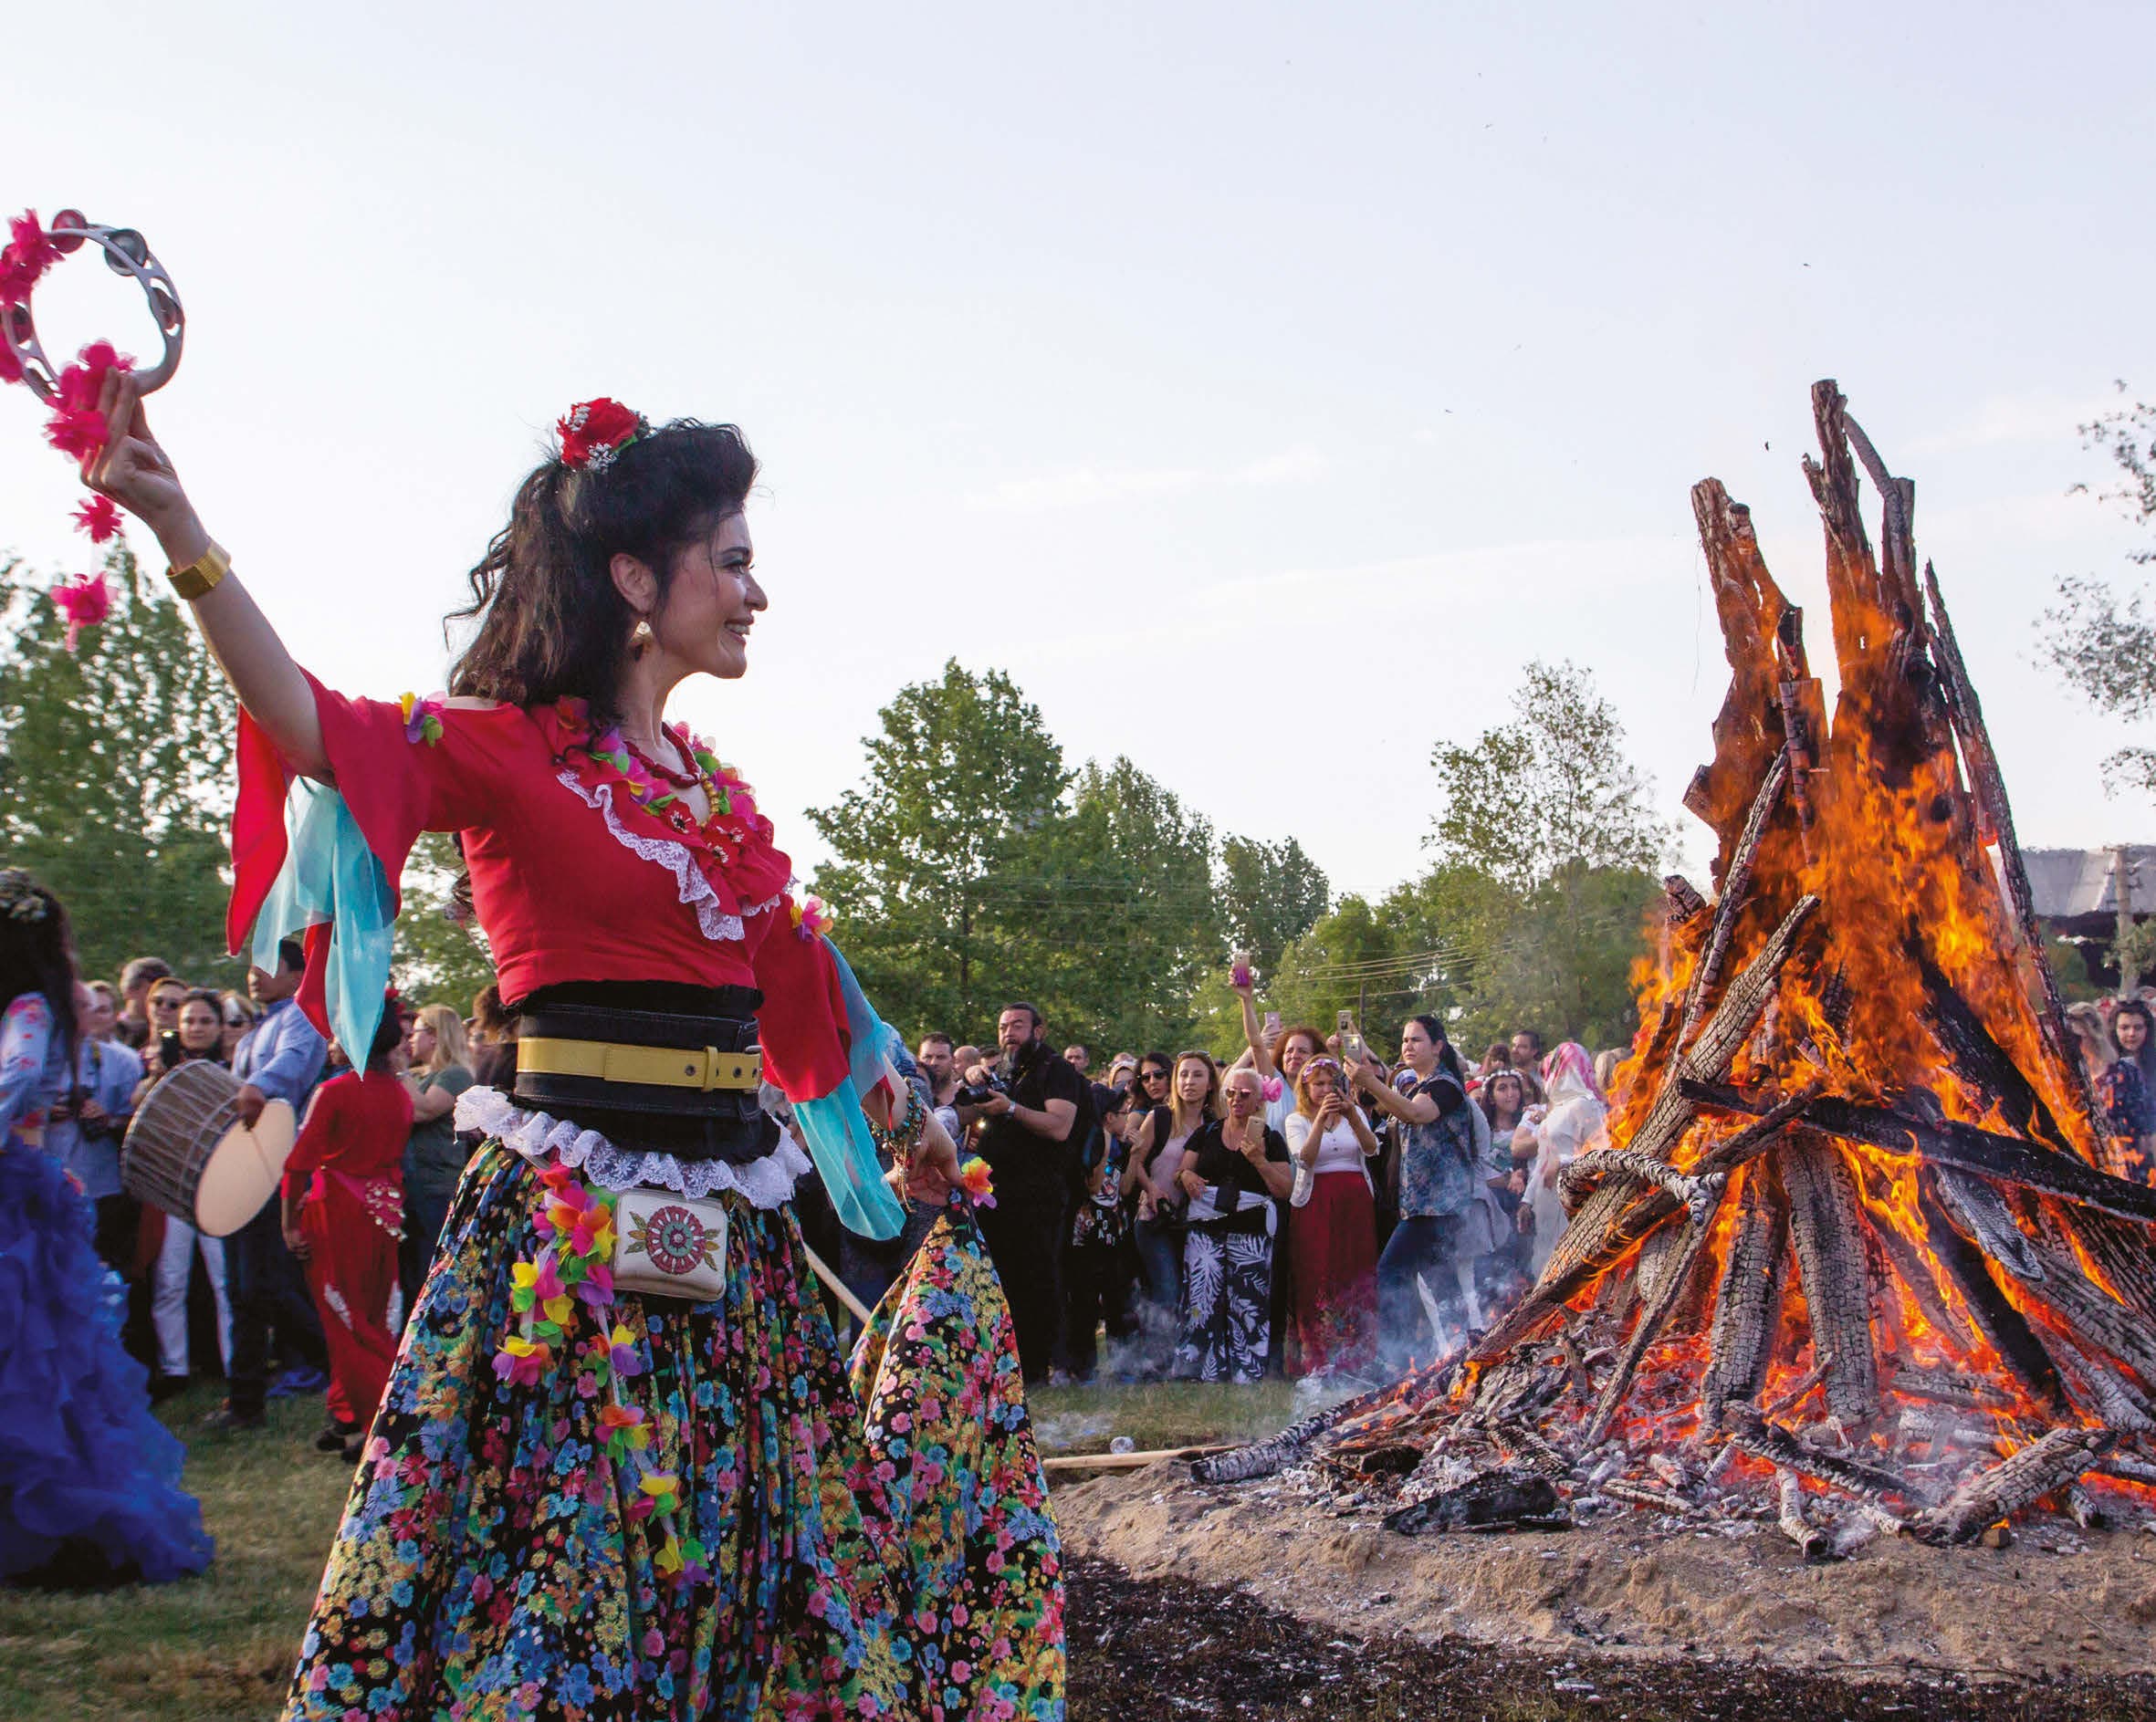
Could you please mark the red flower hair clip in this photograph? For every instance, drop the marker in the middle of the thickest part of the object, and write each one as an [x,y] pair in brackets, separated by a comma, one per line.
[594,432]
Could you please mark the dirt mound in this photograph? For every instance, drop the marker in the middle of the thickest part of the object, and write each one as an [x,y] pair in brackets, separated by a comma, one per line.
[2058,1602]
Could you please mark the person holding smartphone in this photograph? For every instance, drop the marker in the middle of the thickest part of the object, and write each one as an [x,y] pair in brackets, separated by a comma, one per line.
[1332,1227]
[1233,1171]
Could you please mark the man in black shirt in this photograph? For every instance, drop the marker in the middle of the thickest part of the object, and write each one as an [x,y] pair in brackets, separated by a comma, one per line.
[1031,1135]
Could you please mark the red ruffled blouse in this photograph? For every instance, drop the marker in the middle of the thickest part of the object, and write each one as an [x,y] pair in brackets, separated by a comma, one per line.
[574,877]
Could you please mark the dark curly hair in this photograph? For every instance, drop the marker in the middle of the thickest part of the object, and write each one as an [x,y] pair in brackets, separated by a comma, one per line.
[551,622]
[37,953]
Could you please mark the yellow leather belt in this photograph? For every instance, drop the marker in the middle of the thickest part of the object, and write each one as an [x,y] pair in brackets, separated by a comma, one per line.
[704,1067]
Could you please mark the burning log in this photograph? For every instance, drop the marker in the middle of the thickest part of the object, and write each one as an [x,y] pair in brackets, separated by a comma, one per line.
[1748,1303]
[1736,889]
[1655,1308]
[1751,1432]
[2021,1478]
[1624,1209]
[1916,1143]
[1291,1445]
[1824,1227]
[1948,1387]
[1948,1143]
[1584,1176]
[1967,714]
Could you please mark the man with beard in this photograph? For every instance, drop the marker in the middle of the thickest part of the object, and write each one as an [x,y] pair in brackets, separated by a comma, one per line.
[1030,1133]
[939,1065]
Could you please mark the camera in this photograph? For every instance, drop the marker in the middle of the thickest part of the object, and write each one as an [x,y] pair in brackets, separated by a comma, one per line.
[979,1094]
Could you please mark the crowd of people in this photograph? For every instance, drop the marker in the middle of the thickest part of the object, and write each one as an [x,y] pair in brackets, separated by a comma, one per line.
[1305,1209]
[308,1298]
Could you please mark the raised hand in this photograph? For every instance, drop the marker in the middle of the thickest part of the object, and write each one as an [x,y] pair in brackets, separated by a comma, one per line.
[135,472]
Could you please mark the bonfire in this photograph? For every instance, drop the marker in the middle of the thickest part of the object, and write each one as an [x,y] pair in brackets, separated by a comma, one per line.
[1854,1255]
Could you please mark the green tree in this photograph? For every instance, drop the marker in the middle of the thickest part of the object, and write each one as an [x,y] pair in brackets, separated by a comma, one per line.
[1269,894]
[2101,640]
[1549,811]
[116,772]
[963,776]
[1116,922]
[441,956]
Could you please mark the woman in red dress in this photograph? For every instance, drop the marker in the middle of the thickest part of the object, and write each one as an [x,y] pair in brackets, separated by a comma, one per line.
[1332,1227]
[343,1212]
[620,1472]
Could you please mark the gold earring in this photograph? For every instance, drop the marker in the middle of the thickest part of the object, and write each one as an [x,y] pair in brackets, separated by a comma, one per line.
[640,637]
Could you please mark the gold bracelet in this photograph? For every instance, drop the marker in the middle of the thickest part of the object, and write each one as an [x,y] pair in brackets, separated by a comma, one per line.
[200,575]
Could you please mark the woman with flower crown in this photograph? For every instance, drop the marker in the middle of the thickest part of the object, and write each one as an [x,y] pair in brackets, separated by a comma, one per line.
[620,1470]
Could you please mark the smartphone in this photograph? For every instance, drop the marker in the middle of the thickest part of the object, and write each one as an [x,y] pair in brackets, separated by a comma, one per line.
[1350,1038]
[1271,1024]
[1239,970]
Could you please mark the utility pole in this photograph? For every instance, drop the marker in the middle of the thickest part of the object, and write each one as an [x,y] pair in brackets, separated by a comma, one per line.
[2122,901]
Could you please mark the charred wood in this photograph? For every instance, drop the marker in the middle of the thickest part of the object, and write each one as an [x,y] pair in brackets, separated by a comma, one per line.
[1513,1496]
[1966,713]
[1823,1228]
[1970,1047]
[1948,1387]
[1291,1445]
[1748,1302]
[1659,1500]
[1655,1310]
[1981,1215]
[1751,1432]
[1945,1142]
[1736,888]
[1999,1321]
[2016,1481]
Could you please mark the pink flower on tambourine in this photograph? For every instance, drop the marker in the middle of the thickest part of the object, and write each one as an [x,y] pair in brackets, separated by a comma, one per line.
[77,427]
[973,1178]
[27,255]
[86,601]
[594,432]
[29,245]
[98,517]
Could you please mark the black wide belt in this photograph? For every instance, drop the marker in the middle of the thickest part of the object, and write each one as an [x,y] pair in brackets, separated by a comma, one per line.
[679,1084]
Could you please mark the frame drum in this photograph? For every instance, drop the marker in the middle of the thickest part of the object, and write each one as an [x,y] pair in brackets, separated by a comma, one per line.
[187,1153]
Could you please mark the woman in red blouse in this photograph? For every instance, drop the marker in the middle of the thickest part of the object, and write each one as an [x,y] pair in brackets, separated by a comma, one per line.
[344,1214]
[619,1470]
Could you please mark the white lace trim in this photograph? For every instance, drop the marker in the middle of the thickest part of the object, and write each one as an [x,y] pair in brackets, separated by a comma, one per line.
[542,1138]
[712,920]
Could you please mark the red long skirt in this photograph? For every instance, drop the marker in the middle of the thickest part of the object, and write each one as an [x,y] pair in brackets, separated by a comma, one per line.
[351,1263]
[1334,1244]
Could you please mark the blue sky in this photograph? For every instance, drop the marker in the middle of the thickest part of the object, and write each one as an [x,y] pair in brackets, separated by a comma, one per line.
[1261,386]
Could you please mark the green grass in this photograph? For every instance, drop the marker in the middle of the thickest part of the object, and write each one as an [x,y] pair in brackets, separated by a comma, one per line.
[217,1646]
[222,1645]
[1158,1414]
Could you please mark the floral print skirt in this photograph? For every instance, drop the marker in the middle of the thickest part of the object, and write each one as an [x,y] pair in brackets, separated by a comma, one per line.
[878,1547]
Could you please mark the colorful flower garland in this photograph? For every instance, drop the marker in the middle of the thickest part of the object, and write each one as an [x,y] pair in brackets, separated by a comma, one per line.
[578,1268]
[575,1267]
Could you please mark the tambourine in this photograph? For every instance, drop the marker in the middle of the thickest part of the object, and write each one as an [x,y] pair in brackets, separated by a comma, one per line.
[126,253]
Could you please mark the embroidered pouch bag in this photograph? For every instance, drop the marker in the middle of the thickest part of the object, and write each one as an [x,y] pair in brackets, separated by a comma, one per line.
[670,1246]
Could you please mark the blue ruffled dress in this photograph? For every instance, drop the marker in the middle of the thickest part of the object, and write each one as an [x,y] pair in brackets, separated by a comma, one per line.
[89,1481]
